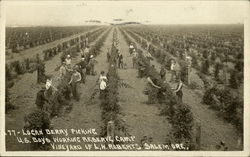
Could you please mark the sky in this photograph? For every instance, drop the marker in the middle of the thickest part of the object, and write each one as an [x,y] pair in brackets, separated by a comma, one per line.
[65,13]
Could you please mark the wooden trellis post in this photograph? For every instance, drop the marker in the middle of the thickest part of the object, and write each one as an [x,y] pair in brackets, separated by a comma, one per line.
[111,130]
[197,135]
[188,74]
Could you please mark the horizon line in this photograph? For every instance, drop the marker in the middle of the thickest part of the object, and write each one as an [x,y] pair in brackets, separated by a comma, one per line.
[125,24]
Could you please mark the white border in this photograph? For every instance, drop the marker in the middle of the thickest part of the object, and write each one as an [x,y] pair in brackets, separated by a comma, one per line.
[127,153]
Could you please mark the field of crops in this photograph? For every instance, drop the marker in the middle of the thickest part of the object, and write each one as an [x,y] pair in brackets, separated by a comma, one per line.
[21,38]
[208,117]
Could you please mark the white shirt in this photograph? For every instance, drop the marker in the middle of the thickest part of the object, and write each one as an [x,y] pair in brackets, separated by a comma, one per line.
[172,66]
[102,77]
[103,85]
[149,55]
[81,51]
[68,61]
[62,71]
[86,50]
[48,84]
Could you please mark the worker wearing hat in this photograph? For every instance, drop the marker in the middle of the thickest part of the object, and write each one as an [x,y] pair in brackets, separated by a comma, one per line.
[82,69]
[68,60]
[74,82]
[120,59]
[40,98]
[86,53]
[63,70]
[91,65]
[40,72]
[131,48]
[103,86]
[134,59]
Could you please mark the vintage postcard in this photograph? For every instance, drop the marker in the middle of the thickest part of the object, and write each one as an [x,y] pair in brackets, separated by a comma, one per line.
[124,78]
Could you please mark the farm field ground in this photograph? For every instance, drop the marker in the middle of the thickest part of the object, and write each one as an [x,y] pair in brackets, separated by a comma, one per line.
[142,119]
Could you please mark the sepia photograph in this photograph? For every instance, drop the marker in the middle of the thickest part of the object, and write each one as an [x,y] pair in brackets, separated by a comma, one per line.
[124,76]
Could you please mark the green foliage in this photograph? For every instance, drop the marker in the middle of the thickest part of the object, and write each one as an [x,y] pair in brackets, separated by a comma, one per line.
[38,120]
[109,105]
[205,67]
[233,81]
[182,122]
[229,105]
[194,85]
[178,114]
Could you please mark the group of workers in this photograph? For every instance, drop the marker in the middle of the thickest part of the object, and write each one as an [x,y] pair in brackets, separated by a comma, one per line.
[70,77]
[142,63]
[74,75]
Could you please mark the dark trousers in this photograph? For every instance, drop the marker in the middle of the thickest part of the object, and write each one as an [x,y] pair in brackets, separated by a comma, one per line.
[179,94]
[120,64]
[134,62]
[75,91]
[83,75]
[102,94]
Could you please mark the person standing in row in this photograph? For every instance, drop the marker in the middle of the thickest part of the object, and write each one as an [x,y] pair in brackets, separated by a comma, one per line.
[131,48]
[49,85]
[63,70]
[163,73]
[120,60]
[153,89]
[134,59]
[178,90]
[86,53]
[82,52]
[74,82]
[40,98]
[102,84]
[40,71]
[68,60]
[82,69]
[91,65]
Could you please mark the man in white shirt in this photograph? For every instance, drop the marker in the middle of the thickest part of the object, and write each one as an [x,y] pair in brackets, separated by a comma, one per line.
[62,70]
[48,87]
[86,53]
[134,59]
[102,76]
[68,60]
[103,86]
[131,48]
[74,81]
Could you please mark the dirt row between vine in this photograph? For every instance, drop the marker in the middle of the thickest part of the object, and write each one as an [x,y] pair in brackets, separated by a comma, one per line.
[85,114]
[24,93]
[142,119]
[213,128]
